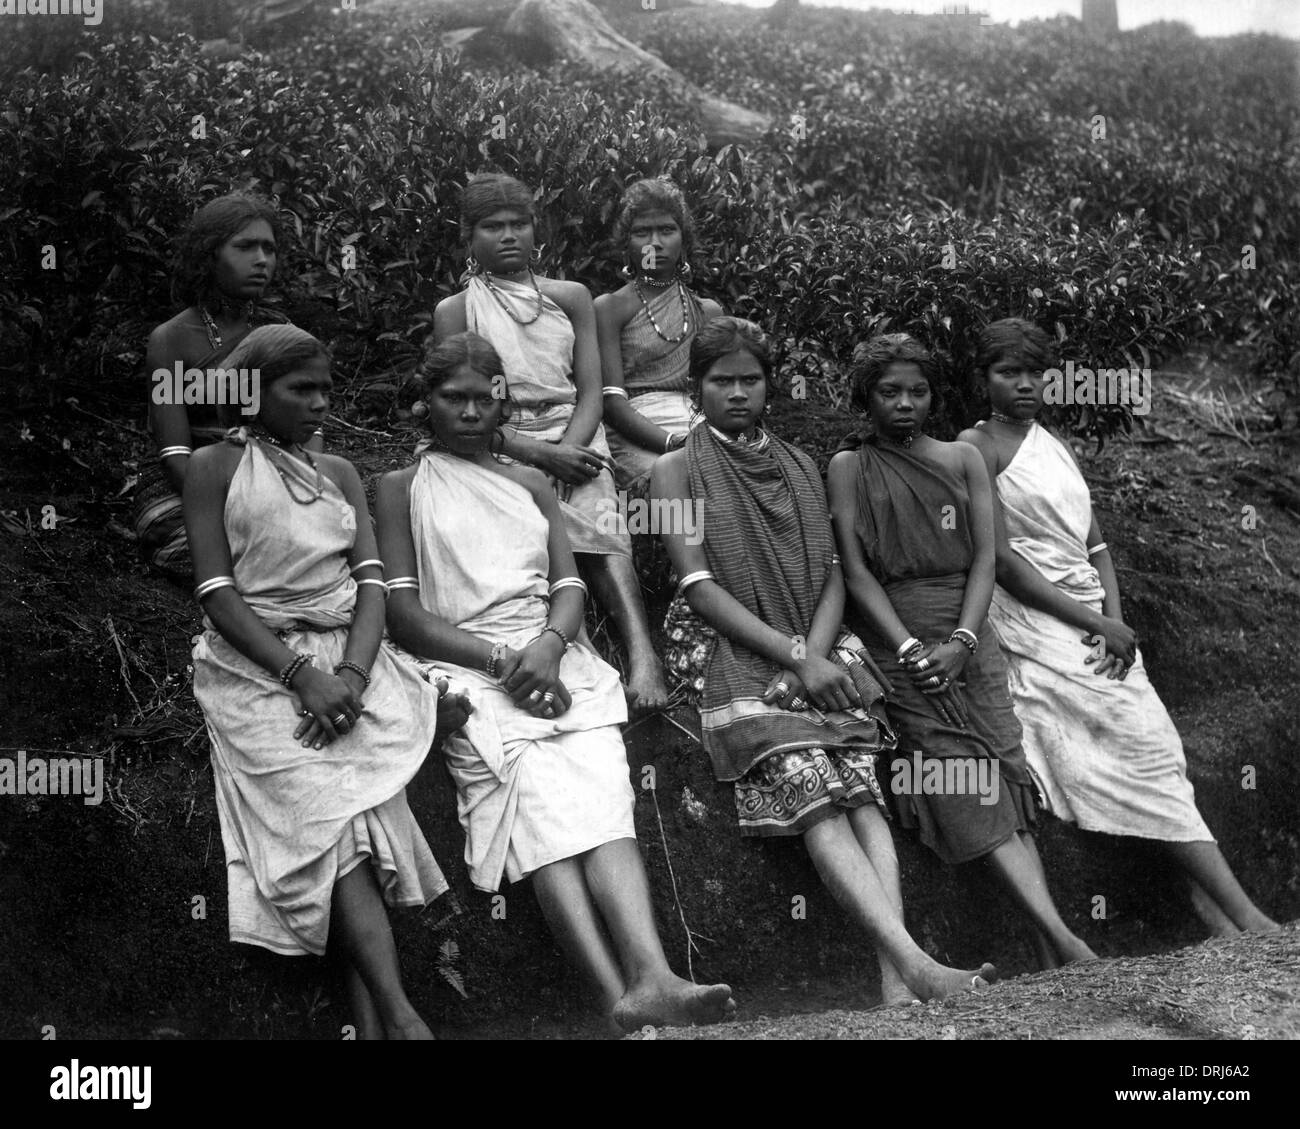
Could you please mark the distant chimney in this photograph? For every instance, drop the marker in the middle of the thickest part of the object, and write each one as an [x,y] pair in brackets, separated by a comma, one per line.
[1100,17]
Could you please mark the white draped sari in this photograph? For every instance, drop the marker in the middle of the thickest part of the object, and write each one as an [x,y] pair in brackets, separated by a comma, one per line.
[531,790]
[1106,751]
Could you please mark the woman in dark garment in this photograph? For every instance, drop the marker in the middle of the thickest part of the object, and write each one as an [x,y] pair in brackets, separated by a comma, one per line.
[914,523]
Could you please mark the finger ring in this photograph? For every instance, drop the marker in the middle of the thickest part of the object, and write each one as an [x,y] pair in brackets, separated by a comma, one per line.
[922,664]
[798,704]
[548,697]
[933,680]
[782,688]
[336,722]
[303,713]
[535,696]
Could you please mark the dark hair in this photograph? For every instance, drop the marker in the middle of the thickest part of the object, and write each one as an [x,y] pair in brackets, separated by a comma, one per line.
[442,359]
[1012,337]
[213,224]
[720,338]
[488,192]
[658,194]
[871,360]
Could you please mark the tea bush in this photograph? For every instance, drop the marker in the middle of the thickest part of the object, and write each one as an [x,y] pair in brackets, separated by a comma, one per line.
[895,140]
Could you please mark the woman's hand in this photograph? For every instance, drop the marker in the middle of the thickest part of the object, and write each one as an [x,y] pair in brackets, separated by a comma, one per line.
[453,712]
[328,707]
[936,665]
[1121,644]
[783,689]
[529,675]
[570,463]
[827,685]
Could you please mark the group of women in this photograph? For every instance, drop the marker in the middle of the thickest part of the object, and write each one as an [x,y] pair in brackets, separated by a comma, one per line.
[947,603]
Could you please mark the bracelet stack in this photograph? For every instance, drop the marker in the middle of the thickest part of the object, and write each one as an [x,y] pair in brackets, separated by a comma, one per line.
[348,664]
[494,657]
[966,638]
[909,647]
[293,666]
[556,631]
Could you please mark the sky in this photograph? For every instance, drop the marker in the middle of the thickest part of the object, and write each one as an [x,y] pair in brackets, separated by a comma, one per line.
[1206,17]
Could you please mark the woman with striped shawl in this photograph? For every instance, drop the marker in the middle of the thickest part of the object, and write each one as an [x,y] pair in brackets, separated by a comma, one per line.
[646,329]
[224,262]
[914,522]
[790,707]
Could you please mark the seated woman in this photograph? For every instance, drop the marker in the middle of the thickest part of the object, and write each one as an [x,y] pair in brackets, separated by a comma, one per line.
[545,333]
[485,586]
[646,329]
[1105,748]
[224,262]
[315,729]
[789,708]
[914,524]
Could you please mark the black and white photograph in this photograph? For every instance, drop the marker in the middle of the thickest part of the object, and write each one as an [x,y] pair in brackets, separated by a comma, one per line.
[650,520]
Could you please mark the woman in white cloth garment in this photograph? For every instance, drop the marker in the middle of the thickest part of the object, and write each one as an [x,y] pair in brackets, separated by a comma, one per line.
[483,584]
[315,729]
[1095,732]
[544,330]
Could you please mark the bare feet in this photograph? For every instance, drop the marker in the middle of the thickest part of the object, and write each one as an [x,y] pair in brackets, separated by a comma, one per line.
[940,982]
[673,1002]
[893,995]
[1074,950]
[646,689]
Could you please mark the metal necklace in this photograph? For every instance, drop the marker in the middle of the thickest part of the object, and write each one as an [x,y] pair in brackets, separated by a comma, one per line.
[1022,424]
[686,323]
[487,278]
[288,485]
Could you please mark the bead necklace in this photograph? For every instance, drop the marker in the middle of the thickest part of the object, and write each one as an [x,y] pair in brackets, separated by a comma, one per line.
[210,323]
[288,485]
[1022,424]
[686,323]
[487,278]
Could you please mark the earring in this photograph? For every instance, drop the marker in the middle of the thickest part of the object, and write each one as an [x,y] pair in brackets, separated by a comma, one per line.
[473,266]
[627,272]
[684,271]
[536,257]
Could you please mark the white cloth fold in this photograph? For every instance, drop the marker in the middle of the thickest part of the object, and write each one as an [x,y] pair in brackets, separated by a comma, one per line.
[1106,752]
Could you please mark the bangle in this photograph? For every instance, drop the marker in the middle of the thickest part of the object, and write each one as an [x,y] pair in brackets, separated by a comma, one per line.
[210,586]
[910,644]
[294,665]
[1101,548]
[672,435]
[168,452]
[555,630]
[614,390]
[967,638]
[356,568]
[494,657]
[375,581]
[348,664]
[401,582]
[693,578]
[567,582]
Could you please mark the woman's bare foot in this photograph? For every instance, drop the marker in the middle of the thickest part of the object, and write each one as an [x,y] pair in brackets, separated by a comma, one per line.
[895,994]
[673,1002]
[646,688]
[940,982]
[1074,950]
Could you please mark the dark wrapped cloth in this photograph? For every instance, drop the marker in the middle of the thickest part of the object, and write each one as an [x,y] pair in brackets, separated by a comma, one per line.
[913,524]
[768,540]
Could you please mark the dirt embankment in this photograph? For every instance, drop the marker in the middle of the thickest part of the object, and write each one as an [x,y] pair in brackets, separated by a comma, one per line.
[102,936]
